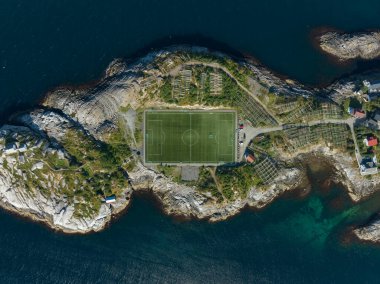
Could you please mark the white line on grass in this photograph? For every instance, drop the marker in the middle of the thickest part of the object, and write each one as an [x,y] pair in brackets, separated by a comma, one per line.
[190,137]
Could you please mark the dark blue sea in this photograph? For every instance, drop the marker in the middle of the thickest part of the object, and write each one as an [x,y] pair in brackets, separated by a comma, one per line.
[299,238]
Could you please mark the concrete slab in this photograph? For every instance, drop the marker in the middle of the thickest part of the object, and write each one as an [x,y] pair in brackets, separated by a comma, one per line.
[189,173]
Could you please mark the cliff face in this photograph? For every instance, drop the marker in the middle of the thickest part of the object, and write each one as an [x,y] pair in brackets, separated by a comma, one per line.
[56,167]
[188,202]
[351,46]
[93,108]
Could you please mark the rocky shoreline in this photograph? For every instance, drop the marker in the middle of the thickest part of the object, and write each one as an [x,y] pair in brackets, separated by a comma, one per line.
[348,46]
[369,233]
[94,112]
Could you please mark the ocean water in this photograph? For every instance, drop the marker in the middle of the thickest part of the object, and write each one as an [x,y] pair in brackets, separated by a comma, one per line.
[48,43]
[294,240]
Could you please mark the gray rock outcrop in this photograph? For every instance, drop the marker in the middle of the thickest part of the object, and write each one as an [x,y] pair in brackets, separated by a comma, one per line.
[370,232]
[345,46]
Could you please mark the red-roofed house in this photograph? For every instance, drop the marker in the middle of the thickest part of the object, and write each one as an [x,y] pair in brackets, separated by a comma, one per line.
[250,158]
[370,141]
[359,113]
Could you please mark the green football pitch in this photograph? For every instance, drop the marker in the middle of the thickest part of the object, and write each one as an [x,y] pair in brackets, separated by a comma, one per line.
[200,137]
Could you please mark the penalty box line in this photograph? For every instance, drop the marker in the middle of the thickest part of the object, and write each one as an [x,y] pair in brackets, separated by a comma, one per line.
[152,139]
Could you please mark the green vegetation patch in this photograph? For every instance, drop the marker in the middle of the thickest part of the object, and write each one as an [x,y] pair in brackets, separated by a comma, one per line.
[200,85]
[95,170]
[206,183]
[236,181]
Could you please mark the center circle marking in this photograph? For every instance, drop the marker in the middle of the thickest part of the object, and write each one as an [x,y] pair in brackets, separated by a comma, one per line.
[190,137]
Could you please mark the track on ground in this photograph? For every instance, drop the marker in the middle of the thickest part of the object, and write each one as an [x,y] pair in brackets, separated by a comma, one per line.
[190,137]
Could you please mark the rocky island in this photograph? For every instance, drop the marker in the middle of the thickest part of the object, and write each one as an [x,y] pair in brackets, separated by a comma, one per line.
[346,46]
[76,160]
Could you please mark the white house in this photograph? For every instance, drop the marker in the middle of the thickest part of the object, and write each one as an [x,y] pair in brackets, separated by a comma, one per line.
[110,199]
[368,166]
[38,166]
[374,122]
[21,159]
[10,149]
[22,148]
[373,87]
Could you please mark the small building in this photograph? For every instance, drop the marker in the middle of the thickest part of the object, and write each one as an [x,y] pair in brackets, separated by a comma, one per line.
[372,123]
[374,87]
[22,148]
[61,154]
[39,143]
[368,166]
[371,96]
[37,166]
[110,199]
[21,159]
[359,113]
[376,116]
[249,158]
[370,141]
[10,149]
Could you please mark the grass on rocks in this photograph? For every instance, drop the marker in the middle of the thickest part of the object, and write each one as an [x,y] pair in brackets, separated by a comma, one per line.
[99,171]
[94,169]
[228,183]
[199,90]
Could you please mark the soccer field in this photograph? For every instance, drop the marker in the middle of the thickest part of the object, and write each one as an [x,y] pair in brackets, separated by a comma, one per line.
[199,137]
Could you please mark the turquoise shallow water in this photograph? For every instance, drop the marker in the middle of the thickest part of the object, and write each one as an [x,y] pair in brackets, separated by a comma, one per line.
[294,240]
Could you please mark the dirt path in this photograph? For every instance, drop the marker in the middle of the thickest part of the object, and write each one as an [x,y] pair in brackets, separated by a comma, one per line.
[212,172]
